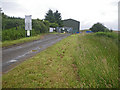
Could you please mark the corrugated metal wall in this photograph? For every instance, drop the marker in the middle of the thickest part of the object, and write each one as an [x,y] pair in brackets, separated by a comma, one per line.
[73,24]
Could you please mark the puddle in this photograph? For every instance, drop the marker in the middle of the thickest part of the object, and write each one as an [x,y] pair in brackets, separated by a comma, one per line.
[11,61]
[40,46]
[34,50]
[21,56]
[29,52]
[24,55]
[18,47]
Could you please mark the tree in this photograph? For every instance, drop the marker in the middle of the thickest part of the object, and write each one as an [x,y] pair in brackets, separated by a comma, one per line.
[54,25]
[11,22]
[50,16]
[54,17]
[46,23]
[98,27]
[58,18]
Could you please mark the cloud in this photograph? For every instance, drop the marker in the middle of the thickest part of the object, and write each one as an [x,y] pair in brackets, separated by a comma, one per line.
[87,12]
[12,8]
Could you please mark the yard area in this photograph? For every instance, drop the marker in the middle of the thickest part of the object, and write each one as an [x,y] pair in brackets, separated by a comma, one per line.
[78,61]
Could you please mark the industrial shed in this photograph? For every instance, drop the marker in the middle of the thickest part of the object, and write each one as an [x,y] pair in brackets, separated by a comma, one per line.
[72,24]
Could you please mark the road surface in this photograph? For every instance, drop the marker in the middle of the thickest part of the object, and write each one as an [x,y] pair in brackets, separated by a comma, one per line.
[11,57]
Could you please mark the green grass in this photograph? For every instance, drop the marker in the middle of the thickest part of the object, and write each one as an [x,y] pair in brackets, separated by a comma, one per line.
[22,40]
[108,34]
[78,61]
[112,35]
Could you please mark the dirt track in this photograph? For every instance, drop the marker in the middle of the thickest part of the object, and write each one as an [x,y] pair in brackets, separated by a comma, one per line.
[11,57]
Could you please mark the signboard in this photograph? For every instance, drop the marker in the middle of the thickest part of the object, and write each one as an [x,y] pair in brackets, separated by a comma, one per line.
[28,22]
[51,29]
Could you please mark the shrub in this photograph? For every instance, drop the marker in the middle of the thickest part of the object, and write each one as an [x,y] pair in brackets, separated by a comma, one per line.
[98,27]
[14,28]
[12,34]
[40,26]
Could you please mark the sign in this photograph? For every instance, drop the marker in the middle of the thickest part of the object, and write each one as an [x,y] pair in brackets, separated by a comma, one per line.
[28,32]
[28,22]
[51,29]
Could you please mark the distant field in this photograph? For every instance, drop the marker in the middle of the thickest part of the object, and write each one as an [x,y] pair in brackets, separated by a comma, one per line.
[78,61]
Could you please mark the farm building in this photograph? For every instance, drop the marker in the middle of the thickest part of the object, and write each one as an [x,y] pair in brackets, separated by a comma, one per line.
[72,25]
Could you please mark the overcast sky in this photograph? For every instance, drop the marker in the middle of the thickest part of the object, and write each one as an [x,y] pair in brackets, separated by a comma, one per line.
[87,12]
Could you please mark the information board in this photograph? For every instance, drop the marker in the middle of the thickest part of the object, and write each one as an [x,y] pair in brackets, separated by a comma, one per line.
[28,22]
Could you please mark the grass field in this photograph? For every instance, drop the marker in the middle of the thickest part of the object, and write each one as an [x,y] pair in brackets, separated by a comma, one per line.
[78,61]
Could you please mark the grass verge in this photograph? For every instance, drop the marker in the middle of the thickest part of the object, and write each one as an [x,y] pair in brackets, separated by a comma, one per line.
[22,40]
[78,61]
[112,35]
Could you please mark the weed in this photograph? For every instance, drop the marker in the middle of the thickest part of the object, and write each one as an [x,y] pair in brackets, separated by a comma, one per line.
[78,61]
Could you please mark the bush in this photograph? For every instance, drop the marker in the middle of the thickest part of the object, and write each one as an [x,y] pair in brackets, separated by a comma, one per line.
[98,27]
[40,26]
[14,28]
[12,34]
[9,23]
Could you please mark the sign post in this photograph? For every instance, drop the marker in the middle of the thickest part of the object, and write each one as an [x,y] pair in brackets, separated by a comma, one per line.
[28,24]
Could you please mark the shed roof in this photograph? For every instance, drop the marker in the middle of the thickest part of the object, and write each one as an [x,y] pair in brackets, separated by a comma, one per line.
[70,20]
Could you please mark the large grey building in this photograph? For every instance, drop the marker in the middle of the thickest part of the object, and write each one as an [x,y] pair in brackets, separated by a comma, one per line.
[72,24]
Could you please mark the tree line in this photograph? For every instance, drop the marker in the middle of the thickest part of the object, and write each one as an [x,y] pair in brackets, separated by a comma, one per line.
[54,18]
[14,27]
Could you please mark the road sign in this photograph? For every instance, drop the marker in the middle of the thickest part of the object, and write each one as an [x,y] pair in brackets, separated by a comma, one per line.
[28,22]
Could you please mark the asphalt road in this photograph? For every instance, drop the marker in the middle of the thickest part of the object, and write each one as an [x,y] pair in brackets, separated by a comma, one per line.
[13,56]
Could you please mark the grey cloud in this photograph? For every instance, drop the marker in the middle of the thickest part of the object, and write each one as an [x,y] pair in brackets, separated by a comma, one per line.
[11,7]
[111,25]
[114,3]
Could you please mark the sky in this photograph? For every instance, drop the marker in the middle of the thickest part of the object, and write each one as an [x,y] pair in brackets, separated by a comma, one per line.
[88,12]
